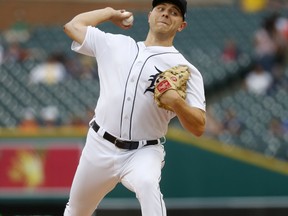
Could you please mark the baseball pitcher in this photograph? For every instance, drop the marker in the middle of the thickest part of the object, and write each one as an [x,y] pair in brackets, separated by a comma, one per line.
[143,85]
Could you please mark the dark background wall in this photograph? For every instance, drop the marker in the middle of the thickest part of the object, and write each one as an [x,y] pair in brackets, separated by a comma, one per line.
[37,12]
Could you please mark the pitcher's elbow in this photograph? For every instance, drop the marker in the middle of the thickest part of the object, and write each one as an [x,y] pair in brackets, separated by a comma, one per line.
[199,131]
[67,27]
[200,128]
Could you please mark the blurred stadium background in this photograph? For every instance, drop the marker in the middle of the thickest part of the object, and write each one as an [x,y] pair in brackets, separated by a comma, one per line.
[239,167]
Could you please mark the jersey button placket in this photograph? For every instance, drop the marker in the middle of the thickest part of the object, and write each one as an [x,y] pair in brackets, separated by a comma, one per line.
[131,86]
[126,117]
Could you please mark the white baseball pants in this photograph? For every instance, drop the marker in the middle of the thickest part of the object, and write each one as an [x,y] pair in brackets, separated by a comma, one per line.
[103,165]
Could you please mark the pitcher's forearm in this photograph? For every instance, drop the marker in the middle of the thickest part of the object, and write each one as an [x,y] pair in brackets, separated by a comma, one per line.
[76,28]
[193,119]
[93,18]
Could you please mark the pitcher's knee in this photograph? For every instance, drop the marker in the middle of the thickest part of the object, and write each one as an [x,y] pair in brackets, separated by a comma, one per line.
[147,185]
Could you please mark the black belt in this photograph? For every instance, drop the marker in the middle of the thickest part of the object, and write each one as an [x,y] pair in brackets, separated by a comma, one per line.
[123,144]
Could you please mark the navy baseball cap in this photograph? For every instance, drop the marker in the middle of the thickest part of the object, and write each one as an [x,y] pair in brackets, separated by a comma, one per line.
[181,4]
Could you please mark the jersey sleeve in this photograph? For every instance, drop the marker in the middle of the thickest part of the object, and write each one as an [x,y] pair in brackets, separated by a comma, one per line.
[98,43]
[91,42]
[195,89]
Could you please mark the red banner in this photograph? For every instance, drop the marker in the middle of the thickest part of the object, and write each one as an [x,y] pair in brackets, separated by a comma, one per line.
[36,168]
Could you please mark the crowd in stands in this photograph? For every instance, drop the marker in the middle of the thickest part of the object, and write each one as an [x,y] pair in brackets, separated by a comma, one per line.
[231,51]
[266,76]
[52,67]
[49,68]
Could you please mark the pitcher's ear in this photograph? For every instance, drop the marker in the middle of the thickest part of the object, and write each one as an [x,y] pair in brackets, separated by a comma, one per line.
[182,26]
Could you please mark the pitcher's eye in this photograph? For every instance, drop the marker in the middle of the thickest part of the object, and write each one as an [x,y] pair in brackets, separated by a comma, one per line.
[175,13]
[160,9]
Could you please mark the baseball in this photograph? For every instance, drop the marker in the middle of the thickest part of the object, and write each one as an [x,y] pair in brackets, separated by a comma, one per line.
[129,20]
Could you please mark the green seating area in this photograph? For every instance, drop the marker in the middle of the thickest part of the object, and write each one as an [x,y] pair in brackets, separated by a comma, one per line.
[201,44]
[73,97]
[256,114]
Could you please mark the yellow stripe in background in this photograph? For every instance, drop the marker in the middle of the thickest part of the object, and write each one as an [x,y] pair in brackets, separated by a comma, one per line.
[231,151]
[253,5]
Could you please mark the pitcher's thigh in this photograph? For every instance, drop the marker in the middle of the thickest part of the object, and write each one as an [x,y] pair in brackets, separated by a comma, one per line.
[89,186]
[144,168]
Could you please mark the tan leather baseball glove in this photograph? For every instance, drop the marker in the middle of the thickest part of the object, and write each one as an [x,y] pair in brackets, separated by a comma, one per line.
[174,78]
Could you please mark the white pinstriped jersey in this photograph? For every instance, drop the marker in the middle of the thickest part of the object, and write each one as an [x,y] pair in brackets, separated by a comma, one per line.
[127,70]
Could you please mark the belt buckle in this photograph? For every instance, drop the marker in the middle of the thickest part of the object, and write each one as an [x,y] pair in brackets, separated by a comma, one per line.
[119,143]
[124,145]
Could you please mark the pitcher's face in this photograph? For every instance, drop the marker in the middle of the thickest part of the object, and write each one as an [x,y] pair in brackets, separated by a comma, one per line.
[166,18]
